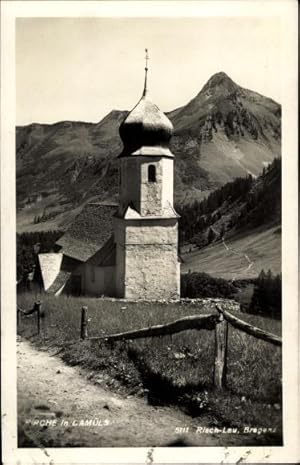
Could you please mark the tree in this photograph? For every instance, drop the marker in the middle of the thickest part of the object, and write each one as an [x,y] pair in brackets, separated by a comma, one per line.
[211,235]
[222,231]
[266,299]
[27,249]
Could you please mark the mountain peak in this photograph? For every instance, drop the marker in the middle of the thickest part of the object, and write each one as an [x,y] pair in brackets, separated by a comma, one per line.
[221,75]
[220,79]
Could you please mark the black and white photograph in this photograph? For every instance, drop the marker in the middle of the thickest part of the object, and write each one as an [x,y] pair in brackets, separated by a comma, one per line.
[149,263]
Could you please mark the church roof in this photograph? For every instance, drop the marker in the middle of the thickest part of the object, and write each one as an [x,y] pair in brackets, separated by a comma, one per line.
[89,231]
[59,282]
[146,127]
[106,256]
[68,266]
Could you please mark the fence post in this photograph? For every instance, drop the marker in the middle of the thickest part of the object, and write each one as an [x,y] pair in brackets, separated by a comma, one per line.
[84,323]
[221,333]
[37,306]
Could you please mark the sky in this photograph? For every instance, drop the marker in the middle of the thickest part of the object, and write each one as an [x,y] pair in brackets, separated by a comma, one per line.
[80,69]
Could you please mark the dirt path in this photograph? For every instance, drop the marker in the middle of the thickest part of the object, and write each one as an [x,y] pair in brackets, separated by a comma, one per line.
[250,263]
[59,407]
[245,256]
[53,398]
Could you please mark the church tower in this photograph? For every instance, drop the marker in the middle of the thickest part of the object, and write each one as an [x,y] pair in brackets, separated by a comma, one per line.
[146,224]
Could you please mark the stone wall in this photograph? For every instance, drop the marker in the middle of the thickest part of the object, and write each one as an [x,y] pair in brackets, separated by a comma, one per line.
[148,198]
[130,182]
[120,270]
[151,272]
[98,281]
[160,231]
[147,264]
[151,192]
[168,184]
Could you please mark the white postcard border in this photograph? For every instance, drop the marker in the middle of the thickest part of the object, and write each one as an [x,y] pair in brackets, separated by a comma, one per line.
[287,11]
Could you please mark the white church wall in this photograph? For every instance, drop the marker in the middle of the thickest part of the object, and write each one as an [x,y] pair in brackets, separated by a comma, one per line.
[148,198]
[119,235]
[147,264]
[151,272]
[75,281]
[120,270]
[130,182]
[50,264]
[98,281]
[151,192]
[168,186]
[110,280]
[152,232]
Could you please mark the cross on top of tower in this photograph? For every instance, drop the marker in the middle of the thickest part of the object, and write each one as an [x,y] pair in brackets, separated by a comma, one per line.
[146,58]
[146,72]
[146,129]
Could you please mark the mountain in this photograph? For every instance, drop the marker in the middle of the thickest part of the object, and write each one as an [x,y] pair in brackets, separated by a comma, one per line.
[225,132]
[236,231]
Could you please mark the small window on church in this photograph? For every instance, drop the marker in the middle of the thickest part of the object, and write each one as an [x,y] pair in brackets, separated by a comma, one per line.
[151,173]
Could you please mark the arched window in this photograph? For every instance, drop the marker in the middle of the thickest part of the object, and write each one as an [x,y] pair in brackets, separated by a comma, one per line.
[151,173]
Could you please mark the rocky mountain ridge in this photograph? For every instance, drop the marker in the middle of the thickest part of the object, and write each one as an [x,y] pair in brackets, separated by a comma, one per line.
[225,132]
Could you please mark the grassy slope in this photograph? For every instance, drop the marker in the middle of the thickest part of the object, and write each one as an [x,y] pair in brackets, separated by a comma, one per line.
[176,369]
[263,247]
[59,222]
[226,159]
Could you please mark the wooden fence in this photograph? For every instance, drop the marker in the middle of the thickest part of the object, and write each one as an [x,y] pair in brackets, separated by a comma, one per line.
[212,322]
[217,322]
[36,309]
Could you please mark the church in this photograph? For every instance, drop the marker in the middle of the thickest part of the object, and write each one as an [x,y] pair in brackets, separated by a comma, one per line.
[129,250]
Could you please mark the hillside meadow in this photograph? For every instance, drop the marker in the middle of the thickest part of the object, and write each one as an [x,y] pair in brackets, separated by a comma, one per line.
[263,247]
[174,369]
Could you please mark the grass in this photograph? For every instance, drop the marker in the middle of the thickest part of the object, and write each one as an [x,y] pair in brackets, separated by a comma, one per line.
[172,370]
[263,247]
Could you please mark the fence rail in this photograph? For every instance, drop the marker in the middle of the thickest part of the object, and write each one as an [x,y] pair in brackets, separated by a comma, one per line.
[250,329]
[36,309]
[218,322]
[214,321]
[190,322]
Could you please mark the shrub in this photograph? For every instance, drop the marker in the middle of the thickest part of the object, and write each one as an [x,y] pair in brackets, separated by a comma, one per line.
[196,285]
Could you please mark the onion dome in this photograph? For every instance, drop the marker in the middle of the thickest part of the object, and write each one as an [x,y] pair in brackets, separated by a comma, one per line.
[146,130]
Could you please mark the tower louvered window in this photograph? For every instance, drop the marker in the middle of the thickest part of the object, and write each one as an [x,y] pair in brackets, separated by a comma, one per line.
[151,173]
